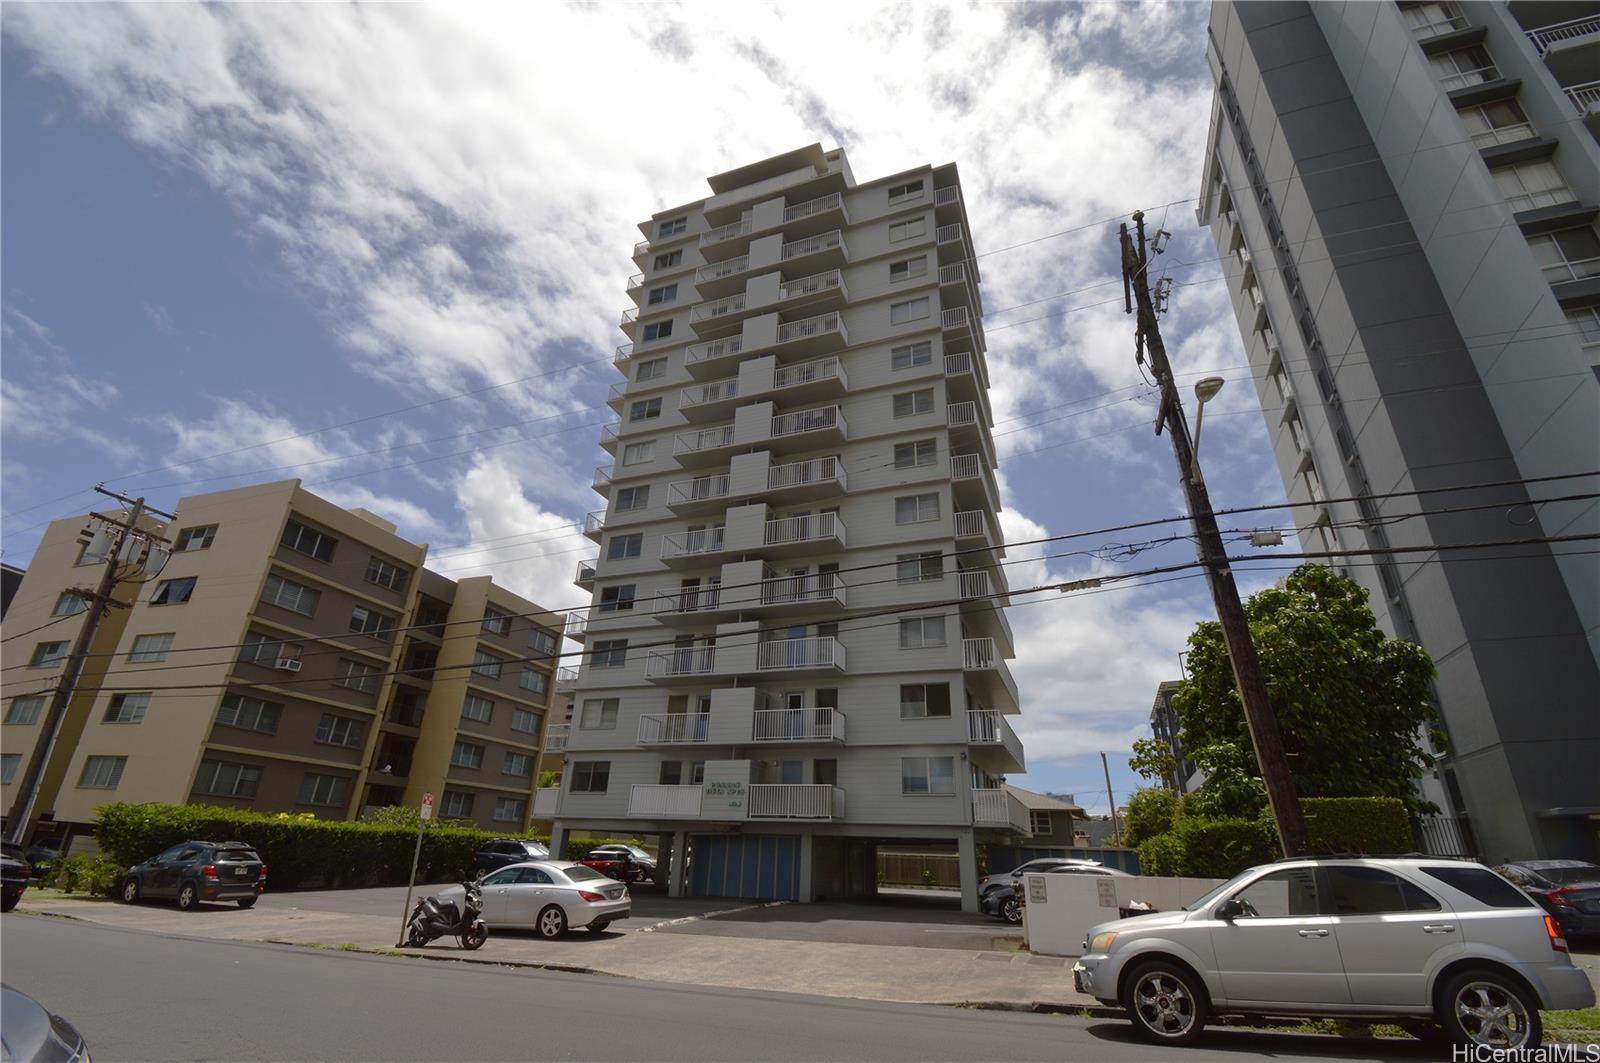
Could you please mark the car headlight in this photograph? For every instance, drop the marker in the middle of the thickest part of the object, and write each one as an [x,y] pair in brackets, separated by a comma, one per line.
[1102,942]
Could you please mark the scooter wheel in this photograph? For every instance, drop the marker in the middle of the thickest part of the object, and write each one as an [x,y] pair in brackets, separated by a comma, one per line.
[475,936]
[417,939]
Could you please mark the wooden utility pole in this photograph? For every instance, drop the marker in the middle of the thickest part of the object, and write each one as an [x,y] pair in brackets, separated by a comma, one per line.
[1264,733]
[1116,827]
[100,603]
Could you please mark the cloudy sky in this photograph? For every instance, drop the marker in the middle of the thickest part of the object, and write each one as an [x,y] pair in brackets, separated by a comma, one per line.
[383,249]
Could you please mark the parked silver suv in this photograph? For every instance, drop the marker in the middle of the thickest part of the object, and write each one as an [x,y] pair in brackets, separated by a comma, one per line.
[1440,947]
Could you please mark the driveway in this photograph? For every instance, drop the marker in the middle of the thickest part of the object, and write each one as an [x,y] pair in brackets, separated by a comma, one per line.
[650,903]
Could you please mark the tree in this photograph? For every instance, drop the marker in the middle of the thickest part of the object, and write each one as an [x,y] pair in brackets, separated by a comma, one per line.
[1351,701]
[1151,811]
[1153,759]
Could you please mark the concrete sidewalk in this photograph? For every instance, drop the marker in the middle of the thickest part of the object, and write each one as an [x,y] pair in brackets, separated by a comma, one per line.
[897,973]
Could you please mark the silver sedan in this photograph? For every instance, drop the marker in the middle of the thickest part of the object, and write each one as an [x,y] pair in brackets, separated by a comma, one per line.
[549,896]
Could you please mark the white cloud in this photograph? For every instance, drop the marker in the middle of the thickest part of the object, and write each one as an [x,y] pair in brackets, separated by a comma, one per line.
[45,395]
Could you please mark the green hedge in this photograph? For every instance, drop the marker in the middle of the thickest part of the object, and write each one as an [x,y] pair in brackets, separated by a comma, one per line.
[1221,848]
[1376,825]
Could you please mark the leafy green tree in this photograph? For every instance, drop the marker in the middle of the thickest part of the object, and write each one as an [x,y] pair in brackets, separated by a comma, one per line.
[1153,759]
[1351,701]
[1151,811]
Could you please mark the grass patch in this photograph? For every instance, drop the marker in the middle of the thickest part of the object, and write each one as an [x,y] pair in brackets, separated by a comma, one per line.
[1581,1026]
[50,893]
[349,947]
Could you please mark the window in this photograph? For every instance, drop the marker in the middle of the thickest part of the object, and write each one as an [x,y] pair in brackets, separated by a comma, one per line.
[623,547]
[1353,890]
[510,810]
[541,641]
[259,649]
[1039,822]
[323,789]
[923,632]
[249,714]
[497,623]
[221,778]
[639,453]
[354,675]
[1587,320]
[534,682]
[599,714]
[369,622]
[1500,122]
[339,730]
[613,599]
[173,591]
[486,664]
[1431,19]
[457,805]
[127,708]
[466,755]
[524,721]
[25,710]
[590,777]
[147,648]
[476,708]
[910,310]
[632,498]
[902,193]
[287,594]
[609,653]
[920,567]
[911,403]
[645,409]
[921,700]
[1532,184]
[657,330]
[9,763]
[384,574]
[1567,254]
[916,509]
[1281,894]
[665,294]
[654,369]
[914,455]
[70,603]
[102,773]
[668,260]
[199,538]
[1481,884]
[911,354]
[517,764]
[672,227]
[48,654]
[908,269]
[927,775]
[907,230]
[1463,67]
[312,543]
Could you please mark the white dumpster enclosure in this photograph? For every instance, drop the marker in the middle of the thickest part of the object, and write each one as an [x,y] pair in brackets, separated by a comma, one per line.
[1060,909]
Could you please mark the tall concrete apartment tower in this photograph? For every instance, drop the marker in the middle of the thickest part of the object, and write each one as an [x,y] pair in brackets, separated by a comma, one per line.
[796,648]
[1404,198]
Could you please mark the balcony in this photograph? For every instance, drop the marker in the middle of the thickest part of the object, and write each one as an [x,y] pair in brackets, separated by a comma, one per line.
[972,483]
[821,378]
[982,657]
[989,731]
[576,626]
[610,435]
[797,725]
[1570,49]
[803,594]
[701,358]
[703,493]
[975,524]
[804,534]
[818,427]
[721,278]
[724,241]
[623,355]
[628,317]
[602,478]
[664,802]
[795,801]
[998,808]
[545,802]
[566,682]
[960,329]
[825,288]
[968,426]
[691,548]
[822,653]
[964,378]
[704,447]
[586,571]
[816,478]
[822,251]
[555,737]
[702,402]
[1586,98]
[674,728]
[594,524]
[641,248]
[947,204]
[615,394]
[813,335]
[814,215]
[720,316]
[680,662]
[688,603]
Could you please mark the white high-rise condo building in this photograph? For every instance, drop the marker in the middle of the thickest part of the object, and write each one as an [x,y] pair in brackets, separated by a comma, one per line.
[797,646]
[1404,199]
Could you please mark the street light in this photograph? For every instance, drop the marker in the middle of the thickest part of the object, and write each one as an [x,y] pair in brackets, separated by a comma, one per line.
[1205,390]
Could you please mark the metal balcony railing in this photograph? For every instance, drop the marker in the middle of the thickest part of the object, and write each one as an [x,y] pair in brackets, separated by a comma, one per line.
[965,466]
[795,801]
[689,600]
[602,477]
[586,571]
[1544,197]
[716,391]
[820,205]
[971,524]
[676,802]
[674,728]
[705,352]
[594,523]
[988,727]
[577,623]
[725,232]
[799,473]
[811,245]
[956,364]
[945,234]
[699,489]
[680,661]
[640,248]
[797,422]
[718,270]
[802,590]
[1423,31]
[635,281]
[566,679]
[721,308]
[978,655]
[1585,97]
[828,280]
[693,544]
[629,316]
[705,439]
[805,528]
[624,352]
[952,274]
[945,196]
[615,392]
[790,331]
[823,651]
[955,317]
[1545,36]
[610,433]
[961,414]
[989,806]
[789,376]
[555,737]
[797,725]
[974,585]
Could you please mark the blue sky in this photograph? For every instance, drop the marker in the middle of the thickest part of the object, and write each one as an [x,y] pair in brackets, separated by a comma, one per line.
[251,242]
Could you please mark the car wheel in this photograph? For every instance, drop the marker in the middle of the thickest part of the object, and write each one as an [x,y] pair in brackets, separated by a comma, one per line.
[10,899]
[1489,1009]
[598,926]
[130,890]
[247,902]
[552,922]
[188,897]
[1166,1003]
[1010,910]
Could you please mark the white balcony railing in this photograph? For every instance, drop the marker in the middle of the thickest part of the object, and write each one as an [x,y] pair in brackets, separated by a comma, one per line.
[586,571]
[680,661]
[795,801]
[811,245]
[805,528]
[716,391]
[803,590]
[952,274]
[555,737]
[955,317]
[1571,30]
[820,325]
[971,524]
[828,281]
[676,802]
[979,655]
[956,364]
[987,727]
[789,376]
[945,234]
[1506,134]
[705,439]
[1572,270]
[797,422]
[674,728]
[1585,97]
[718,270]
[725,232]
[965,466]
[820,205]
[823,651]
[797,725]
[706,352]
[974,585]
[595,522]
[961,414]
[699,489]
[693,544]
[945,196]
[989,806]
[801,473]
[577,624]
[721,308]
[689,600]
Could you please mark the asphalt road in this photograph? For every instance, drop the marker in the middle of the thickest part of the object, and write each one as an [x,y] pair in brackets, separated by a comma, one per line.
[139,996]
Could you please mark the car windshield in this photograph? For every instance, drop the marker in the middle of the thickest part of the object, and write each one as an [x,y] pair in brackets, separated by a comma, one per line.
[638,854]
[1570,876]
[579,873]
[12,850]
[237,856]
[535,848]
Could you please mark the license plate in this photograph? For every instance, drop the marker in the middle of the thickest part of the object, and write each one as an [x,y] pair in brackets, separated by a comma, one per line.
[613,893]
[241,871]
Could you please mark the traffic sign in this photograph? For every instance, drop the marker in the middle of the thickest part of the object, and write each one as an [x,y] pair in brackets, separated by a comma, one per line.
[427,806]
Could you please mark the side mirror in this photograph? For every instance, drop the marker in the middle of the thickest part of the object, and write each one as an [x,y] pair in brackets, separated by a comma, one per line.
[1230,910]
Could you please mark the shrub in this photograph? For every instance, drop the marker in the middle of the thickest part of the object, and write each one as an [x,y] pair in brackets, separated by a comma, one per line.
[1151,811]
[1375,825]
[1162,855]
[96,875]
[1209,848]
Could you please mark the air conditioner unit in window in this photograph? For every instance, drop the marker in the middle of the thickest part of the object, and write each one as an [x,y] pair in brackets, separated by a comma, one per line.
[288,664]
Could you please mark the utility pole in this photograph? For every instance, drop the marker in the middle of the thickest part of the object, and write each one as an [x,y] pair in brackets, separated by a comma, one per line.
[1264,733]
[1116,828]
[100,603]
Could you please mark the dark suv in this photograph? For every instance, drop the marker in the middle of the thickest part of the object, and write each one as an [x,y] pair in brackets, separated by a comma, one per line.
[503,852]
[192,872]
[14,875]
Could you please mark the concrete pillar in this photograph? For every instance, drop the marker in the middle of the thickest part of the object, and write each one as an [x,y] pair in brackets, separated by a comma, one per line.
[558,841]
[967,850]
[808,883]
[680,861]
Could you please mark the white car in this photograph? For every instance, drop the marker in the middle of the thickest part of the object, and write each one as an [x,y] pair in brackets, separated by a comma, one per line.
[1437,946]
[1041,866]
[549,896]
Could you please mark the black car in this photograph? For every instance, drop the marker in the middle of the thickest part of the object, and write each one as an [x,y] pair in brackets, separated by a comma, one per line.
[1001,902]
[191,872]
[1567,889]
[14,874]
[641,858]
[503,852]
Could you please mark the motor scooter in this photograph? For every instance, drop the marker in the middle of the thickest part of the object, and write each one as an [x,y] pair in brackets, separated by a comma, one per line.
[433,918]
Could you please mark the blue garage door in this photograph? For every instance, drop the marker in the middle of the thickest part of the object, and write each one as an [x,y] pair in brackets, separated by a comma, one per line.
[756,866]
